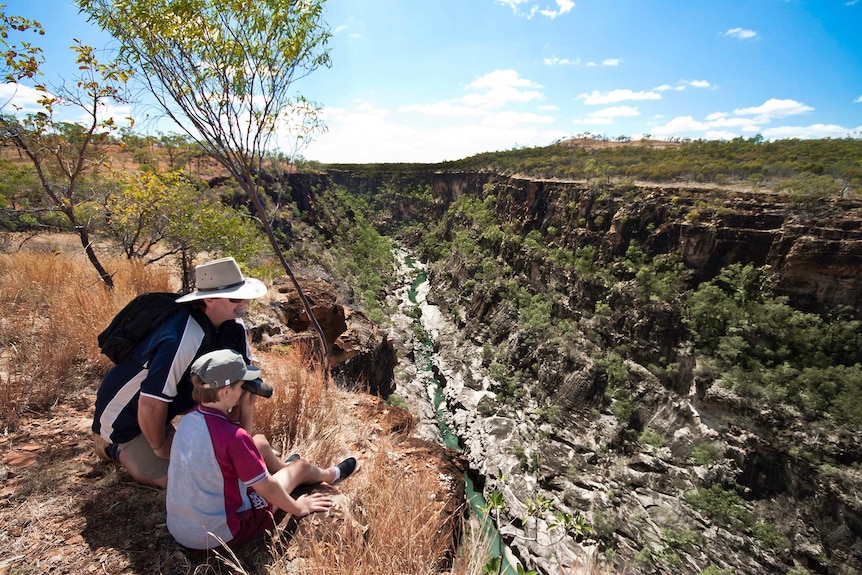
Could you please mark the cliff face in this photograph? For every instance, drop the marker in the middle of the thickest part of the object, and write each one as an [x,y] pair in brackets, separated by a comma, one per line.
[639,498]
[815,251]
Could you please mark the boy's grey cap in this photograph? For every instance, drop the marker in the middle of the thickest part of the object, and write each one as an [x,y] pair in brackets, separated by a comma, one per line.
[222,367]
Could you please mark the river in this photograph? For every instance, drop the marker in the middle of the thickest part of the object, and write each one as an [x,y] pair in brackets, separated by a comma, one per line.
[423,362]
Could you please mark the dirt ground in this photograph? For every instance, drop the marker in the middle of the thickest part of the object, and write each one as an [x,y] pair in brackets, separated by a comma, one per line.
[63,510]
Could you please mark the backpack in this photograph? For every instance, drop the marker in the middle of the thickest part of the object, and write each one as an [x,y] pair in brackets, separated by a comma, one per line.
[136,321]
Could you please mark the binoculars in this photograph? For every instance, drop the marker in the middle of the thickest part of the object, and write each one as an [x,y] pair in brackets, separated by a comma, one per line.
[257,387]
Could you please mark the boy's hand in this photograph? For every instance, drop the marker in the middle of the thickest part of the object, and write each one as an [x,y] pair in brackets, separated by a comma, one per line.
[246,401]
[313,502]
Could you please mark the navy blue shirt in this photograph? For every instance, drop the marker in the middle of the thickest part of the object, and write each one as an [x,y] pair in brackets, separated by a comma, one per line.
[159,368]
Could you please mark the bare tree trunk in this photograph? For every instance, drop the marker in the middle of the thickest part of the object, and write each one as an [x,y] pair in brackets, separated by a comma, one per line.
[91,255]
[251,189]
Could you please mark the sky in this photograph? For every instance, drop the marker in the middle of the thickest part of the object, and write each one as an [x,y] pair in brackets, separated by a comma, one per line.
[436,80]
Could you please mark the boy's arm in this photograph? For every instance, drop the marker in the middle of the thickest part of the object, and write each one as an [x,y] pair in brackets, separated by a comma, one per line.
[271,490]
[243,412]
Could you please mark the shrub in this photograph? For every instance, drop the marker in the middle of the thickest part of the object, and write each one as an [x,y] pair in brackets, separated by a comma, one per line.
[721,505]
[706,453]
[650,436]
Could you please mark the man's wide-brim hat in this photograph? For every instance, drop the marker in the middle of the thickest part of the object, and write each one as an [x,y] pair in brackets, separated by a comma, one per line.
[222,278]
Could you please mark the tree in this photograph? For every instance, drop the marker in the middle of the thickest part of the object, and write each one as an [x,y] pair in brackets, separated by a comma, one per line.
[168,209]
[23,60]
[224,71]
[63,153]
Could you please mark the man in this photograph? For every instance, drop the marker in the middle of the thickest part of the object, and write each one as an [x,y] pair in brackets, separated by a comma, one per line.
[139,398]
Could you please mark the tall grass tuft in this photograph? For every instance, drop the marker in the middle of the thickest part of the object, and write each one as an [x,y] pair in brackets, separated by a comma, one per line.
[302,414]
[393,525]
[52,307]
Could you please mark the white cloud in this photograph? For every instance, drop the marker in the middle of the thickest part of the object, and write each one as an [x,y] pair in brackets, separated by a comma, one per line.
[16,98]
[500,78]
[699,84]
[858,100]
[752,120]
[501,87]
[576,62]
[725,122]
[679,125]
[741,33]
[774,108]
[719,135]
[119,113]
[683,84]
[489,92]
[806,132]
[595,97]
[615,112]
[20,99]
[563,7]
[365,134]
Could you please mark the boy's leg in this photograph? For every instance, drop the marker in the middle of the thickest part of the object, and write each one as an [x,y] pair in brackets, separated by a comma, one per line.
[273,461]
[301,472]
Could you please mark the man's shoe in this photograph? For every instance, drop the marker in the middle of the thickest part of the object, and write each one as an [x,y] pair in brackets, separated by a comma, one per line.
[345,469]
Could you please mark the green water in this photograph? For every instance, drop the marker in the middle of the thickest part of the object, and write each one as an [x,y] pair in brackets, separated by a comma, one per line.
[474,497]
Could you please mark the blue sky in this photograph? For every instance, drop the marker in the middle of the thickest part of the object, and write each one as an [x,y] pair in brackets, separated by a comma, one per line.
[436,80]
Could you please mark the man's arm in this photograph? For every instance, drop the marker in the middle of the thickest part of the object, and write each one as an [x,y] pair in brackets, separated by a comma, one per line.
[153,419]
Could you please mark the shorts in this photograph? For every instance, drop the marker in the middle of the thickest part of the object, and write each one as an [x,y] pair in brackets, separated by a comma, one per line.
[253,523]
[136,452]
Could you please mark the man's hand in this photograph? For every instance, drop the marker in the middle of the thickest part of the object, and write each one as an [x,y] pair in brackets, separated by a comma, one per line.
[164,451]
[153,419]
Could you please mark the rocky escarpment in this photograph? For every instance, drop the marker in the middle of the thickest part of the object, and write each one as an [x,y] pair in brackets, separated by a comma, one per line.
[361,355]
[815,249]
[693,477]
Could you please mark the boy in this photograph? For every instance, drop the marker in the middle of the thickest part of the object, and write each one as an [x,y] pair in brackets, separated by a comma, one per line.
[223,483]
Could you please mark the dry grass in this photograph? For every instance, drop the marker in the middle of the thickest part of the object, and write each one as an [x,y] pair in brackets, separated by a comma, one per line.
[394,516]
[51,309]
[391,520]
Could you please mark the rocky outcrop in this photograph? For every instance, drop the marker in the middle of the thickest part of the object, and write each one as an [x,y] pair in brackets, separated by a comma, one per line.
[361,355]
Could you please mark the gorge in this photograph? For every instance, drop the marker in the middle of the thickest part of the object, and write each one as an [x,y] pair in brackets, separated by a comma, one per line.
[590,385]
